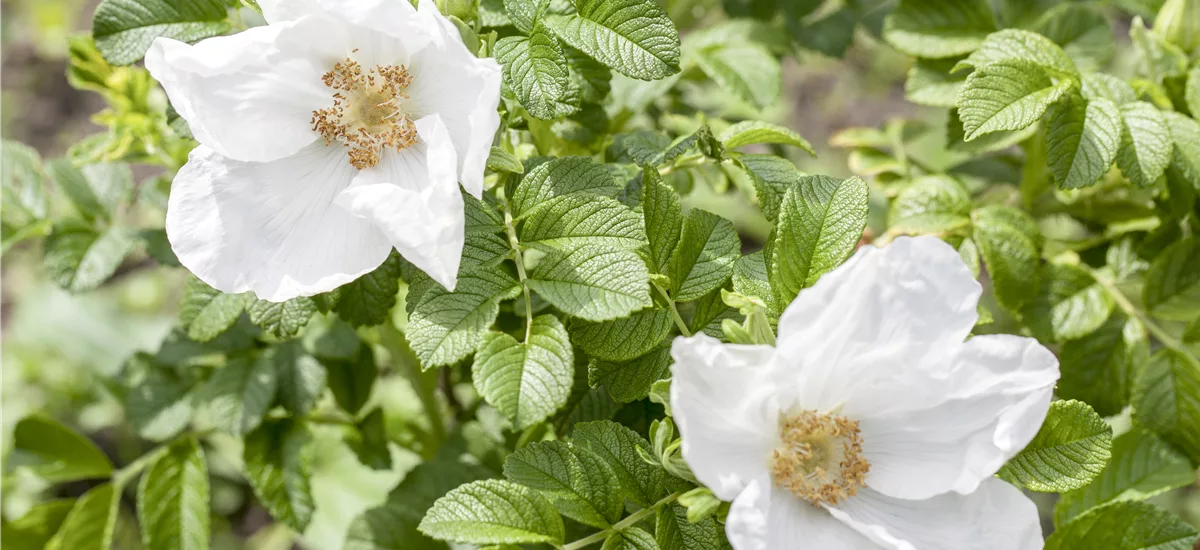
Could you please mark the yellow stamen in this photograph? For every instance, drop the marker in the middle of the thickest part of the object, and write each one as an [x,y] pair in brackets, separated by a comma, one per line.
[819,458]
[366,115]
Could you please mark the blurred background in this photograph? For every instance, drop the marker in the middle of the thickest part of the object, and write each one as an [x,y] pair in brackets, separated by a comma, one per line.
[59,350]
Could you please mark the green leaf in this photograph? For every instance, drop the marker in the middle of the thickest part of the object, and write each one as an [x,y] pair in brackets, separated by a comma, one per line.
[157,398]
[625,338]
[1015,45]
[282,319]
[1141,466]
[278,465]
[751,278]
[634,37]
[447,326]
[95,190]
[577,220]
[300,377]
[536,70]
[930,83]
[1099,368]
[1106,86]
[22,185]
[632,538]
[1010,244]
[752,132]
[1185,134]
[352,380]
[1071,448]
[820,222]
[938,28]
[935,204]
[662,214]
[1172,289]
[1192,91]
[207,312]
[703,261]
[1006,95]
[172,500]
[503,161]
[367,300]
[1071,304]
[1145,143]
[493,512]
[124,29]
[1125,526]
[956,141]
[631,380]
[79,259]
[1082,140]
[91,523]
[590,79]
[674,532]
[581,485]
[36,527]
[559,177]
[745,70]
[1166,399]
[619,446]
[639,147]
[238,395]
[525,14]
[369,441]
[772,177]
[528,381]
[1082,30]
[56,453]
[592,282]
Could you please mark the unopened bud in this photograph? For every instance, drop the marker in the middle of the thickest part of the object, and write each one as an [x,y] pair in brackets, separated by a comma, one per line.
[1178,22]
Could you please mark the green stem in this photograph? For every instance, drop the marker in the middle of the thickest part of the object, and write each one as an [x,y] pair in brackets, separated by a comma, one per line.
[683,328]
[629,521]
[424,383]
[1166,338]
[125,475]
[519,259]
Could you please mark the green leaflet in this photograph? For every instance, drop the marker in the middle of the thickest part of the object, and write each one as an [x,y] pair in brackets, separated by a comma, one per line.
[207,312]
[748,71]
[300,378]
[662,216]
[238,395]
[1106,86]
[772,177]
[172,501]
[368,299]
[79,259]
[632,538]
[576,220]
[1071,448]
[1006,95]
[1141,466]
[124,29]
[634,37]
[536,70]
[501,160]
[282,319]
[558,177]
[1166,399]
[1082,140]
[932,28]
[1172,289]
[592,282]
[56,453]
[619,446]
[95,190]
[581,485]
[525,14]
[931,83]
[1185,134]
[352,378]
[1192,91]
[37,526]
[1125,526]
[1015,46]
[278,464]
[493,512]
[1010,244]
[528,381]
[445,326]
[625,338]
[1082,30]
[703,261]
[674,532]
[158,398]
[1145,143]
[820,222]
[1071,304]
[631,380]
[931,205]
[1099,367]
[91,523]
[750,132]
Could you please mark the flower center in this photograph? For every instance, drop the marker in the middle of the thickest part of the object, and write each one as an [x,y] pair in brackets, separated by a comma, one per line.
[819,458]
[366,116]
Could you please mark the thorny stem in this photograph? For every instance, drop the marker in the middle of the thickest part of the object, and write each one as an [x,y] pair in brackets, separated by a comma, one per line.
[683,328]
[633,519]
[519,259]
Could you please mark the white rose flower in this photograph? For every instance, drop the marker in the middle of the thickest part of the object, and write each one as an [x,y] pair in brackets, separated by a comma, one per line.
[872,424]
[329,136]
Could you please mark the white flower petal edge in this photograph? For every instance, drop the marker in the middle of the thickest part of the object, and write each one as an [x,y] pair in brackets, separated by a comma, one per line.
[413,197]
[270,227]
[995,516]
[765,517]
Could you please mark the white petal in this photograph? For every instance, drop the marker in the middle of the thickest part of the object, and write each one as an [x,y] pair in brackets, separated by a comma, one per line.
[413,197]
[881,310]
[250,96]
[397,20]
[270,228]
[278,11]
[950,423]
[463,89]
[766,517]
[994,517]
[726,410]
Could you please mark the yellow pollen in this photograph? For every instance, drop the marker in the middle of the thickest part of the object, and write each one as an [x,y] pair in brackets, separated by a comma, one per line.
[819,458]
[366,115]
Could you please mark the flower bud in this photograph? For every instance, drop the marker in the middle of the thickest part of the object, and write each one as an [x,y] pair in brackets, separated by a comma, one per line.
[465,10]
[1178,22]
